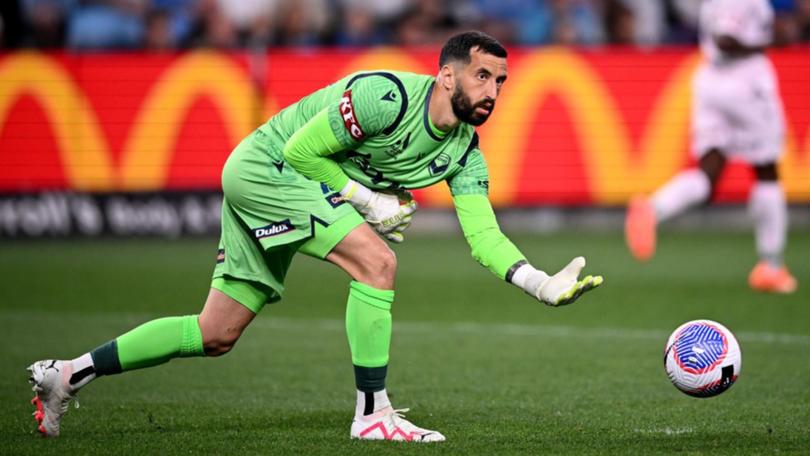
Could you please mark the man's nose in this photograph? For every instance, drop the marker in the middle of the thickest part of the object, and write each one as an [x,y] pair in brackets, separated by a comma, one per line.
[492,89]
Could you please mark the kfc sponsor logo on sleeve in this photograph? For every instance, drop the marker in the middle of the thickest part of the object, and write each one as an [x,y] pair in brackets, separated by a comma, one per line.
[349,119]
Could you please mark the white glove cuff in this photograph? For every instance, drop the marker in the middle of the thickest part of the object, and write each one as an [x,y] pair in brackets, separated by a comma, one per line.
[528,278]
[356,193]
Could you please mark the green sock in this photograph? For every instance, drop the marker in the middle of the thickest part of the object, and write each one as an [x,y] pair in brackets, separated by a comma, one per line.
[150,344]
[368,326]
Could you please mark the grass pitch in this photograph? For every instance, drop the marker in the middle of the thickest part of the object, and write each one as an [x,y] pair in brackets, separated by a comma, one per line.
[493,370]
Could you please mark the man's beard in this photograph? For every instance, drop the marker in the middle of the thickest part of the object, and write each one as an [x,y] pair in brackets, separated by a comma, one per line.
[465,110]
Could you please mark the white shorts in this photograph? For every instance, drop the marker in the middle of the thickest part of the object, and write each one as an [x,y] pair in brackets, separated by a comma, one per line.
[736,108]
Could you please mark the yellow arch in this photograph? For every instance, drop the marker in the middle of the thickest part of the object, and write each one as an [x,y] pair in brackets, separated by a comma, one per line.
[794,168]
[82,145]
[148,150]
[613,172]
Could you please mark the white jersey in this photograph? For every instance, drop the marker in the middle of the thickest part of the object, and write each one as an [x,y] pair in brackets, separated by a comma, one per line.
[748,21]
[736,106]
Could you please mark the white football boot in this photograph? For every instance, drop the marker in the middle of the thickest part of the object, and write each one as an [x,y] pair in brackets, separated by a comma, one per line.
[390,424]
[53,394]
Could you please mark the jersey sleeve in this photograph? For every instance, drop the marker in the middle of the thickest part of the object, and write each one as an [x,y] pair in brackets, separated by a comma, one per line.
[473,178]
[308,149]
[489,246]
[371,104]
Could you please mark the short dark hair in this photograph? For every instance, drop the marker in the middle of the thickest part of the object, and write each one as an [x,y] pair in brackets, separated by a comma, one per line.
[458,47]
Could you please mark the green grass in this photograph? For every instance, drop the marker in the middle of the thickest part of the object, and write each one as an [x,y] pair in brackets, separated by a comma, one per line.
[474,358]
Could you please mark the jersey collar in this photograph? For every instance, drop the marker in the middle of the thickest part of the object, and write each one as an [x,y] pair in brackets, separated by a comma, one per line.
[432,131]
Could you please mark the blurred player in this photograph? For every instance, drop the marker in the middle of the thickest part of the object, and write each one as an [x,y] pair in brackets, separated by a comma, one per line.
[737,113]
[326,177]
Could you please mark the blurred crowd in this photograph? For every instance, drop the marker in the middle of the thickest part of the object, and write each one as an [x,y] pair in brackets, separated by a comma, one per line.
[180,24]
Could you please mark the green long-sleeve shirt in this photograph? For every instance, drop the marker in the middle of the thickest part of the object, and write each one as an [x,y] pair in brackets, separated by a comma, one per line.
[374,127]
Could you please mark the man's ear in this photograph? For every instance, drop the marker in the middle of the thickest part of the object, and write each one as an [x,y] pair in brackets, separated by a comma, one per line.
[447,77]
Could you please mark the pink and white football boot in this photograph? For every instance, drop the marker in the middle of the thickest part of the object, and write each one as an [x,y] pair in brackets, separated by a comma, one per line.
[390,424]
[53,394]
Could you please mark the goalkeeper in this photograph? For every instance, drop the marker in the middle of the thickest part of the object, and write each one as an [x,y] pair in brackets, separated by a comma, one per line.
[327,177]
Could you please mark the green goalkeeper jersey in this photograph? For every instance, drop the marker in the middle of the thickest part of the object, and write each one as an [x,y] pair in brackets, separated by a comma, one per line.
[374,127]
[381,121]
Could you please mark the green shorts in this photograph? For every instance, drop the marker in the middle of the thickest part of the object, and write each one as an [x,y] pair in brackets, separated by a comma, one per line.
[269,213]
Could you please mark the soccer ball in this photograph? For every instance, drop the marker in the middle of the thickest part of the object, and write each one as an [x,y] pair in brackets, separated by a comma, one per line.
[702,358]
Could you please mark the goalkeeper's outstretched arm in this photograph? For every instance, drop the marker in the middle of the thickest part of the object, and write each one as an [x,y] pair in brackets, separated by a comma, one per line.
[493,250]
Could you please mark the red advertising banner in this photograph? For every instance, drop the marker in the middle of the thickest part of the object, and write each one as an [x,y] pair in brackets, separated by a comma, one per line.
[570,128]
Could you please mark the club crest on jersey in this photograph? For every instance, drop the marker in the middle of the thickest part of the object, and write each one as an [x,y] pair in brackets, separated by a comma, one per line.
[349,119]
[273,229]
[439,164]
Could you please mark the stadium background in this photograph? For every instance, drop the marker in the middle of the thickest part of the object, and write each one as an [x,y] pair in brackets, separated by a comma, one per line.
[115,118]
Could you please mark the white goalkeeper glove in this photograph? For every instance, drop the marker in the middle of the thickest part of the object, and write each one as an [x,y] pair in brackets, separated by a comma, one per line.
[558,290]
[388,214]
